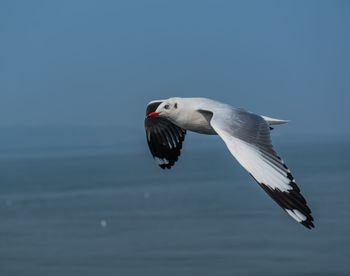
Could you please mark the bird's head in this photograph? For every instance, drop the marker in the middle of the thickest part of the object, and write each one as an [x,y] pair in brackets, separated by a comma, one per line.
[169,109]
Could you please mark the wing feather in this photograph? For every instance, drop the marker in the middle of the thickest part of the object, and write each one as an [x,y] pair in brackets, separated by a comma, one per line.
[163,137]
[247,137]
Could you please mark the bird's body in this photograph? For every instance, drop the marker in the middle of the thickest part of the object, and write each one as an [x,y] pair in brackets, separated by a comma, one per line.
[191,118]
[246,135]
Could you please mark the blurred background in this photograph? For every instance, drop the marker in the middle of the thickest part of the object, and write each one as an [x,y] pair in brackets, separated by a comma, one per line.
[79,191]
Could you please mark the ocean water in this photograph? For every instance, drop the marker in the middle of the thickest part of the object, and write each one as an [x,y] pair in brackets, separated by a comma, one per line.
[119,214]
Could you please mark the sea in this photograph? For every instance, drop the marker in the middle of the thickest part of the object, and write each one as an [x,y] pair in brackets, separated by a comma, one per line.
[117,213]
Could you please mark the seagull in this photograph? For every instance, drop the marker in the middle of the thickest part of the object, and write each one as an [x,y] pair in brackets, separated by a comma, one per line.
[246,135]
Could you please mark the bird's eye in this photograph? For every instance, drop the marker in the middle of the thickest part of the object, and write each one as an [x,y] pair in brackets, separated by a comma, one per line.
[175,105]
[166,106]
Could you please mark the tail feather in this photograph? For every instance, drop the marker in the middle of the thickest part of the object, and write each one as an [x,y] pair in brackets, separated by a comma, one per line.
[272,121]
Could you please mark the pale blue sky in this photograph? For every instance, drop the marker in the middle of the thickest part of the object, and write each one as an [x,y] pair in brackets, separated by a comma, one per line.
[98,63]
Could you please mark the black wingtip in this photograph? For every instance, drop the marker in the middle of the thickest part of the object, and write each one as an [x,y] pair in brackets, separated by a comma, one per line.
[164,140]
[308,224]
[290,200]
[166,166]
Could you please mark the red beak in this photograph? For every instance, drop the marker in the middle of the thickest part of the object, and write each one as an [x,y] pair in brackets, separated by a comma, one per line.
[152,114]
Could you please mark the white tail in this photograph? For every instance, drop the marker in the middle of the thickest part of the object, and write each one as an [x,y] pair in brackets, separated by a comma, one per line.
[272,121]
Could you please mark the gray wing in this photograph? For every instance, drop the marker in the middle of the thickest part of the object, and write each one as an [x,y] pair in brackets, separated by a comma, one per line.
[247,136]
[163,137]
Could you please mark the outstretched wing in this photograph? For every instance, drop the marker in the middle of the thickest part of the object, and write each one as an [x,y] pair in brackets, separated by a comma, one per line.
[247,136]
[163,137]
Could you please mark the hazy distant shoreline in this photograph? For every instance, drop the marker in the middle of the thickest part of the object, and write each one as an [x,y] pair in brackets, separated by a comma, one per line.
[17,142]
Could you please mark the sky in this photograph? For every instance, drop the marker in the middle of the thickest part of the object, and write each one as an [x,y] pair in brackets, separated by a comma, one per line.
[98,63]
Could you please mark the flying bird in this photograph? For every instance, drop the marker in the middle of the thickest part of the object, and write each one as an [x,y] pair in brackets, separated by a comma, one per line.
[246,135]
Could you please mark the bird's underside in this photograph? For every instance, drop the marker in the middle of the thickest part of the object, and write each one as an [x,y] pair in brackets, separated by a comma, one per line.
[248,139]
